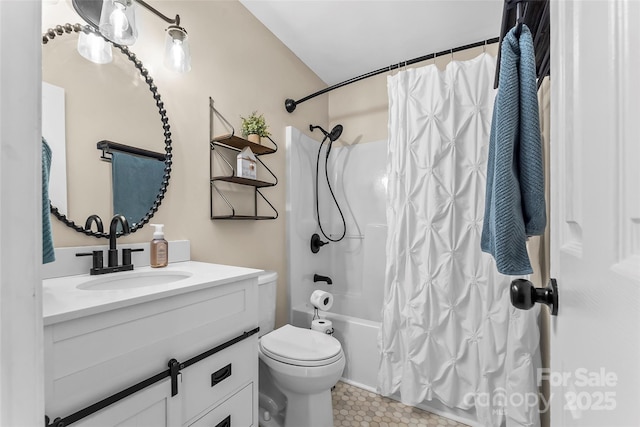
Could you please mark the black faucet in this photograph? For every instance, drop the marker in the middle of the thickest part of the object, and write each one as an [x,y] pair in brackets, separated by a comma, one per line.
[319,278]
[97,264]
[113,234]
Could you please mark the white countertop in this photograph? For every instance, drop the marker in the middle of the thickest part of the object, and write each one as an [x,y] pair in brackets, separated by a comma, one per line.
[62,300]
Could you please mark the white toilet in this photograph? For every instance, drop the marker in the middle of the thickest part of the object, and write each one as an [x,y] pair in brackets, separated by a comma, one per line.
[297,365]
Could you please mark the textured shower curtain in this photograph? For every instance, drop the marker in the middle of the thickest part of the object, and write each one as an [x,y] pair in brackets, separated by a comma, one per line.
[449,331]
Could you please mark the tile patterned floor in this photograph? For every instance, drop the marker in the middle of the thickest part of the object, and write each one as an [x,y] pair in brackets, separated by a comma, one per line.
[354,407]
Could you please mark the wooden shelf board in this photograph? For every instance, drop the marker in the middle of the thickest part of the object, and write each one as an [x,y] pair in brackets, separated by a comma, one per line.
[237,143]
[242,217]
[243,181]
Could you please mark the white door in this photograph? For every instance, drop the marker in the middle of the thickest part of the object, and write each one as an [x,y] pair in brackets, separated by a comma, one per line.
[595,205]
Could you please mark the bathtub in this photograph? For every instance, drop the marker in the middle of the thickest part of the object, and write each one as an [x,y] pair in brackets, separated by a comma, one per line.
[359,339]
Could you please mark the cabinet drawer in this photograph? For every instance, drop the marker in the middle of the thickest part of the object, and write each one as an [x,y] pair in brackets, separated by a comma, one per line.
[237,411]
[208,381]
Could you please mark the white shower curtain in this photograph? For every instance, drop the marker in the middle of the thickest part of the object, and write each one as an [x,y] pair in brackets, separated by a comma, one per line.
[449,331]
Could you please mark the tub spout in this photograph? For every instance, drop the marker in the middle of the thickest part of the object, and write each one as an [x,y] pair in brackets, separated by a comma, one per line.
[319,278]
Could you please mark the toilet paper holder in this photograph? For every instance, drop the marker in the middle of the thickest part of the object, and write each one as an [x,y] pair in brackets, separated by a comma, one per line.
[316,316]
[323,323]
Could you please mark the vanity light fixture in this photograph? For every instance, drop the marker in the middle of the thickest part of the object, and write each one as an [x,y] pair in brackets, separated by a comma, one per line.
[117,24]
[176,52]
[118,21]
[93,47]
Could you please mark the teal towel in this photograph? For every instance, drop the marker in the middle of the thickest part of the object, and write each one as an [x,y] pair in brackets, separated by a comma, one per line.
[515,201]
[48,254]
[136,183]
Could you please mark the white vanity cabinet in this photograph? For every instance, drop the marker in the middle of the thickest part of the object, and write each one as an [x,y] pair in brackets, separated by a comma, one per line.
[153,406]
[102,352]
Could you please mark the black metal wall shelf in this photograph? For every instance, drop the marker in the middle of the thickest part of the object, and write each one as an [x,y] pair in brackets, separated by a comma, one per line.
[231,142]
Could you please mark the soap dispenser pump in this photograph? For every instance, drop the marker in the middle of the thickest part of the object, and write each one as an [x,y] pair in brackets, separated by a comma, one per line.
[159,248]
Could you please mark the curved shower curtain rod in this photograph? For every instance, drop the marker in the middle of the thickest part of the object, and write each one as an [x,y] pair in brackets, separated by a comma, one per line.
[291,104]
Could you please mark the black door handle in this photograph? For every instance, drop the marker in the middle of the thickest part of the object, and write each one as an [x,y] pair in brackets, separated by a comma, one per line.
[524,295]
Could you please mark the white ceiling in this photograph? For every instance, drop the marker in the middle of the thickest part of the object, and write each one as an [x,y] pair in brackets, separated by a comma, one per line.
[339,40]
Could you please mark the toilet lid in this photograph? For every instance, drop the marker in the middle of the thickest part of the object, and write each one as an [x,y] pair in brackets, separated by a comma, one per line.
[302,347]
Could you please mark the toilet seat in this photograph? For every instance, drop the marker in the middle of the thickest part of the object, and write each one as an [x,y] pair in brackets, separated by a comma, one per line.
[301,347]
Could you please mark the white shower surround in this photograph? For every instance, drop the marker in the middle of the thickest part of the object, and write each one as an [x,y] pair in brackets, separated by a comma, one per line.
[358,179]
[356,264]
[449,331]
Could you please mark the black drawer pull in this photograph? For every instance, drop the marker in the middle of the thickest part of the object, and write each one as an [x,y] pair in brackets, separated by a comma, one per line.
[226,422]
[219,375]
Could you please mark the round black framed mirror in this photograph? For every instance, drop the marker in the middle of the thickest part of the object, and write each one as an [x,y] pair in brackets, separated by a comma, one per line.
[146,81]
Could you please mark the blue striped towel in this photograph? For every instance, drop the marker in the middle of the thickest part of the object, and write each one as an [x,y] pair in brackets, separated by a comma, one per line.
[515,200]
[136,183]
[48,254]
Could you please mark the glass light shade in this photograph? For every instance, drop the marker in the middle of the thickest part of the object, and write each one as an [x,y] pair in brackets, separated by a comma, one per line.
[176,52]
[94,48]
[118,21]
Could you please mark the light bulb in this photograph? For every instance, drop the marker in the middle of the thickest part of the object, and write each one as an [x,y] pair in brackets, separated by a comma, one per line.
[118,20]
[177,56]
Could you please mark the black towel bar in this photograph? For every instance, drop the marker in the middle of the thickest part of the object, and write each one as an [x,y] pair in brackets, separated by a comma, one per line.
[108,146]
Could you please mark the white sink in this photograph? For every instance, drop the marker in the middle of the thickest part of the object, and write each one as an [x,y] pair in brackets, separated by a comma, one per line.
[129,280]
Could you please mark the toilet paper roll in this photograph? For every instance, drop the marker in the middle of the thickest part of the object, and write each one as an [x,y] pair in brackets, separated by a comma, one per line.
[322,325]
[321,300]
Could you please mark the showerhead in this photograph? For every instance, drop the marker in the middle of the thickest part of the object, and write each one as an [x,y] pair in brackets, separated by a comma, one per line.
[333,135]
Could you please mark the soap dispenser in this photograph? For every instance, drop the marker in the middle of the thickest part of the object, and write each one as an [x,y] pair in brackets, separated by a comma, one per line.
[159,248]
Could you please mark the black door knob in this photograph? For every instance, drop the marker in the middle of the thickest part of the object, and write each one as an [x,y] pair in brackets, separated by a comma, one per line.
[524,295]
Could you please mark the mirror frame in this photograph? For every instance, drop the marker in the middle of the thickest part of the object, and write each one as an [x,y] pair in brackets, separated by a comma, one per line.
[60,30]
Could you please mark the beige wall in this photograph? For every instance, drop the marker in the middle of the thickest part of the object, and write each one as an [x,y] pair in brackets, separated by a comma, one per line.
[240,64]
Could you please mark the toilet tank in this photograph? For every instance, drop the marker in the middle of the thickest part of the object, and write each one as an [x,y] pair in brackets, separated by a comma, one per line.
[267,283]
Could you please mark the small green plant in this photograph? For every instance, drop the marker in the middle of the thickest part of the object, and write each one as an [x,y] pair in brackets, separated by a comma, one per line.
[255,123]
